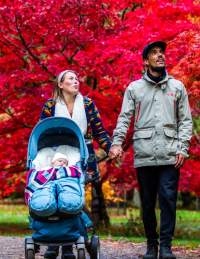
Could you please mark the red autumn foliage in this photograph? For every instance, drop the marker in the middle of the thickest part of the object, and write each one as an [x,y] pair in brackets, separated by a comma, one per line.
[102,41]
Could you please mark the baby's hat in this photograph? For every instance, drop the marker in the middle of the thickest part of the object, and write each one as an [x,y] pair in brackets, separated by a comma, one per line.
[58,156]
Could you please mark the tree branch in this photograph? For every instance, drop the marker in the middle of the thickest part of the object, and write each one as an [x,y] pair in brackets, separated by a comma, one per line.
[29,50]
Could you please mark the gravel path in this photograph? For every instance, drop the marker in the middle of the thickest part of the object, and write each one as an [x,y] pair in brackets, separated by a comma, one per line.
[13,248]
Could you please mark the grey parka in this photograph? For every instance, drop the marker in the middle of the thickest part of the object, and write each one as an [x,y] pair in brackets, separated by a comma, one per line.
[163,123]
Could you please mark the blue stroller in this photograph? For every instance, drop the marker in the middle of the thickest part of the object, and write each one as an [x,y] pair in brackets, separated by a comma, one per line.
[60,229]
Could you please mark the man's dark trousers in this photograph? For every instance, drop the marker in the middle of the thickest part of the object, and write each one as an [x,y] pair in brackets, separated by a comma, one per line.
[161,181]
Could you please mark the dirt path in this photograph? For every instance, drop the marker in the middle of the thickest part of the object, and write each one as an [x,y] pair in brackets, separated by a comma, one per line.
[13,248]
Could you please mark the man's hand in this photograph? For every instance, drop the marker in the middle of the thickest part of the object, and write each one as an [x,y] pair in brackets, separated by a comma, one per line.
[115,151]
[179,160]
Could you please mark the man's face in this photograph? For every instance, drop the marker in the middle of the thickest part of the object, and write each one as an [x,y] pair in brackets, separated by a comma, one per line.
[155,59]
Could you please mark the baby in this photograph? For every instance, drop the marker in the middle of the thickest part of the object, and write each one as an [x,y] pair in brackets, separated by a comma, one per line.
[59,159]
[56,188]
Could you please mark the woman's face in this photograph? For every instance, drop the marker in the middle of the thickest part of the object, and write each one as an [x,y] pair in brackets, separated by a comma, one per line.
[70,85]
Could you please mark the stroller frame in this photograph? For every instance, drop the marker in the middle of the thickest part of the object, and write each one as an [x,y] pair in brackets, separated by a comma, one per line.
[93,247]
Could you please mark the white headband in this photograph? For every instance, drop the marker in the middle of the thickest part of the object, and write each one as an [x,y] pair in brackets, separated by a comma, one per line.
[60,76]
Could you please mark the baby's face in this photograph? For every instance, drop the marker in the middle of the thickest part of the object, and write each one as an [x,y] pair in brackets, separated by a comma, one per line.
[60,162]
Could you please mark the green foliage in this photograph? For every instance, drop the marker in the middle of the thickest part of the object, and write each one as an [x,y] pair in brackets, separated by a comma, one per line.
[196,125]
[14,220]
[13,214]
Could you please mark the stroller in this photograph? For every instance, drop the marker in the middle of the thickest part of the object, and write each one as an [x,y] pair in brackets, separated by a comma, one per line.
[60,229]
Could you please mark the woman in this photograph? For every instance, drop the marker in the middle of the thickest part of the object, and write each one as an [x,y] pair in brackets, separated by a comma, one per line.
[68,102]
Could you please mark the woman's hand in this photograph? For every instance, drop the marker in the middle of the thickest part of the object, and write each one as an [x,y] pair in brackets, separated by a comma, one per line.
[116,151]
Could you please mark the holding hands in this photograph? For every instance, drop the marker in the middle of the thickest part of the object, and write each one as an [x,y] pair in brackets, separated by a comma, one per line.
[116,151]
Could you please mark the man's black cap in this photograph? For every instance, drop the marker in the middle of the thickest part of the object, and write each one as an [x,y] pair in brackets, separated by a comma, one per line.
[151,45]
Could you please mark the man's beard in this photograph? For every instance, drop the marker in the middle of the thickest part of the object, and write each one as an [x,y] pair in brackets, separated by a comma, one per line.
[158,69]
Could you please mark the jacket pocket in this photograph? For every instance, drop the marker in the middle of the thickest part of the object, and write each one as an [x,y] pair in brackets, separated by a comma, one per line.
[171,141]
[171,133]
[143,143]
[143,134]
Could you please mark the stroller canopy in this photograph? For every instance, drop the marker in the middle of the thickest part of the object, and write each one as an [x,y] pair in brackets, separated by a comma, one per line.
[55,131]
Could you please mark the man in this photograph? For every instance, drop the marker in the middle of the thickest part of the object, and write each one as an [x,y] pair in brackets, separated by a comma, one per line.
[162,131]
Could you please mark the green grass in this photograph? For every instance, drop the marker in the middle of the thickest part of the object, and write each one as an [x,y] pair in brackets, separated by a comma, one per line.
[14,221]
[190,244]
[190,218]
[13,214]
[183,217]
[187,226]
[118,220]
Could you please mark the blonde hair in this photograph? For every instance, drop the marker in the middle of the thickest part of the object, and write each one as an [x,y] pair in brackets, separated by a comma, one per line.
[57,93]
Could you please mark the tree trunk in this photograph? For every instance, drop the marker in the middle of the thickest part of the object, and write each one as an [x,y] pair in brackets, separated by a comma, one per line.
[197,203]
[98,207]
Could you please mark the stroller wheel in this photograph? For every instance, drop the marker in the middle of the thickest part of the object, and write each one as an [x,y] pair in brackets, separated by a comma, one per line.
[30,254]
[29,249]
[81,253]
[95,247]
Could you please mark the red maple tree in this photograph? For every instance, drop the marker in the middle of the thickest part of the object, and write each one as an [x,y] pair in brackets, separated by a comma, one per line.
[102,41]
